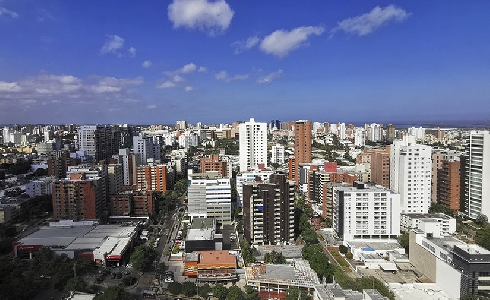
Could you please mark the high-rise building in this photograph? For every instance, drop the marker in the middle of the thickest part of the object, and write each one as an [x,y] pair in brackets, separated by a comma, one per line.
[107,142]
[214,163]
[366,212]
[449,184]
[380,166]
[302,146]
[115,178]
[144,147]
[78,198]
[86,139]
[390,133]
[152,178]
[410,174]
[277,154]
[438,158]
[268,211]
[253,144]
[477,174]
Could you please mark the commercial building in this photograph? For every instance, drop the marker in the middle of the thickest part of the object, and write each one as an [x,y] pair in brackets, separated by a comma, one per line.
[410,174]
[268,211]
[366,212]
[104,244]
[446,223]
[211,265]
[476,166]
[253,144]
[209,196]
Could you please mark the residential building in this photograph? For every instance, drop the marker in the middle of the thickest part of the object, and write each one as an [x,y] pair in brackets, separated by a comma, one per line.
[152,178]
[446,224]
[253,144]
[214,163]
[277,154]
[366,212]
[243,177]
[86,139]
[449,184]
[476,166]
[133,203]
[268,211]
[146,150]
[114,178]
[302,146]
[40,187]
[107,141]
[410,174]
[380,166]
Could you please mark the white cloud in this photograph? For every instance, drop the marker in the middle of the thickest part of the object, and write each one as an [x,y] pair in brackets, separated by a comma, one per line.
[132,51]
[189,88]
[281,42]
[242,46]
[212,17]
[8,13]
[224,76]
[177,78]
[166,85]
[202,69]
[9,87]
[146,64]
[368,22]
[189,68]
[151,106]
[44,15]
[112,44]
[270,77]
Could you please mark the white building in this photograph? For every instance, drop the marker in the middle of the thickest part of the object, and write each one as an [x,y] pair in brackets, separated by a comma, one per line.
[374,132]
[188,139]
[209,198]
[277,154]
[39,187]
[144,146]
[249,177]
[86,139]
[366,212]
[253,144]
[445,223]
[359,137]
[411,173]
[477,172]
[419,132]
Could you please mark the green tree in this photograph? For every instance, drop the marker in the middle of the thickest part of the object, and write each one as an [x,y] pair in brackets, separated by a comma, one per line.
[274,258]
[220,291]
[114,293]
[234,293]
[294,293]
[318,260]
[204,290]
[250,293]
[141,257]
[175,288]
[76,285]
[343,249]
[403,240]
[189,288]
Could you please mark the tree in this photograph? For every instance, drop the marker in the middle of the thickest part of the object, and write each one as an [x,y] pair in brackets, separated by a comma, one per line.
[175,288]
[234,293]
[114,293]
[294,293]
[204,290]
[141,257]
[250,293]
[403,240]
[76,285]
[220,291]
[481,219]
[343,249]
[274,258]
[189,288]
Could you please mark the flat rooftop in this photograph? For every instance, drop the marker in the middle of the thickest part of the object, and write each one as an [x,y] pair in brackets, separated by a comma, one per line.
[214,258]
[200,235]
[419,291]
[376,245]
[200,223]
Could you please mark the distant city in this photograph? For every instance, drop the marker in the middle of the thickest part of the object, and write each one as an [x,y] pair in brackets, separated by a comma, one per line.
[281,207]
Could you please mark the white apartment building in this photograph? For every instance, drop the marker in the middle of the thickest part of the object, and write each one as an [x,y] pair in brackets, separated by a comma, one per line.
[277,154]
[188,139]
[86,139]
[374,132]
[249,177]
[366,212]
[477,174]
[359,137]
[410,174]
[253,144]
[445,223]
[39,187]
[419,132]
[209,198]
[144,146]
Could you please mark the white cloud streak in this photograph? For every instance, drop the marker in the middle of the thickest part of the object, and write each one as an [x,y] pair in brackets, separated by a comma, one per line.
[166,85]
[8,13]
[151,106]
[211,17]
[132,51]
[281,42]
[189,88]
[224,76]
[147,64]
[366,23]
[242,46]
[202,70]
[270,77]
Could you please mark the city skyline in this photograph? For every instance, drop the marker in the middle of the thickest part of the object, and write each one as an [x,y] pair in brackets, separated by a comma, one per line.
[221,61]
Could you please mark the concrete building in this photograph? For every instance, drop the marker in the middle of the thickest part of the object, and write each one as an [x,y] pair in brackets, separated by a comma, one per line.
[212,265]
[152,178]
[209,196]
[40,187]
[250,176]
[58,163]
[107,141]
[114,178]
[380,166]
[302,147]
[130,163]
[144,147]
[253,144]
[86,139]
[277,154]
[133,203]
[268,211]
[366,212]
[476,166]
[6,214]
[458,268]
[449,184]
[446,223]
[410,174]
[438,158]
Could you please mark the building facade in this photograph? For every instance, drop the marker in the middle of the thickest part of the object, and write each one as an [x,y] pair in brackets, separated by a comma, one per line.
[302,146]
[253,144]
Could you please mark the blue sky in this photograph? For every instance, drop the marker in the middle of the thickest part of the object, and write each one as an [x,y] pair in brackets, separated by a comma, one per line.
[143,62]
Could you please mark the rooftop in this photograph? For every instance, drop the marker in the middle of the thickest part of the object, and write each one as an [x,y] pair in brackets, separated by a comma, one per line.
[213,258]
